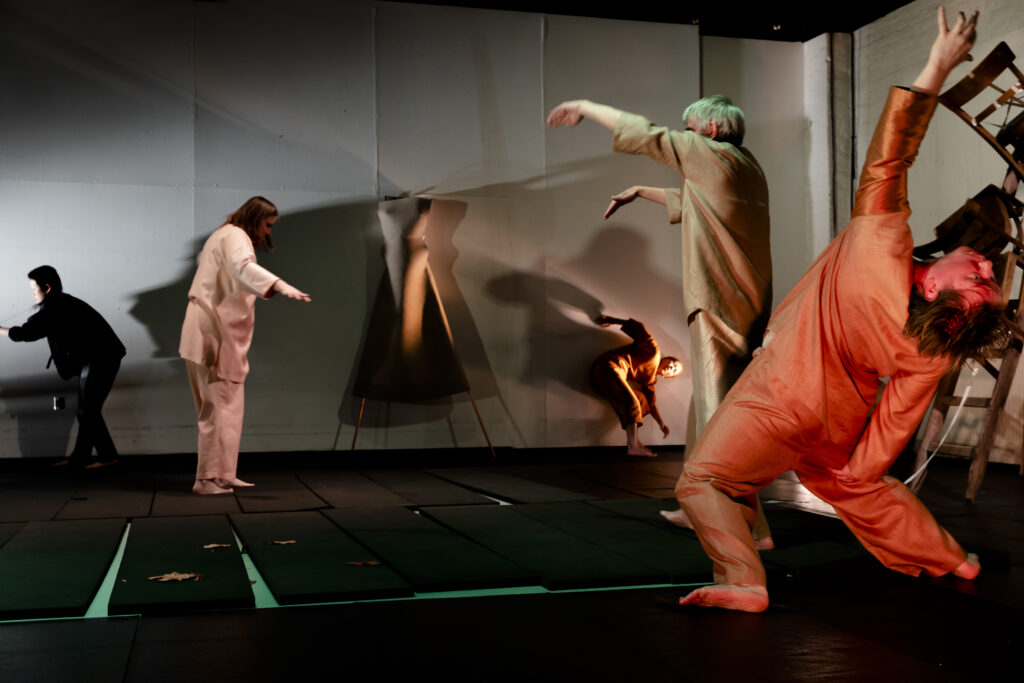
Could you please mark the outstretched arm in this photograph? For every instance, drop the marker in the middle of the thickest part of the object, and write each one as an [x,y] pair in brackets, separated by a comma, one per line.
[951,47]
[654,194]
[606,320]
[572,112]
[287,290]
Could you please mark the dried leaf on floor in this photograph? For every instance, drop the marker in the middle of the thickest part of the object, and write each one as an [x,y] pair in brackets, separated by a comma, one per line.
[281,542]
[176,576]
[212,546]
[365,563]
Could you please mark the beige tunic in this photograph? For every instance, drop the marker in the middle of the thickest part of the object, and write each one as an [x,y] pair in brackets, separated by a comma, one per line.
[219,321]
[722,206]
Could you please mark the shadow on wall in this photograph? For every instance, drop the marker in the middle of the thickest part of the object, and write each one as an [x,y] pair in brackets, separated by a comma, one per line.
[322,251]
[617,259]
[561,337]
[561,343]
[42,431]
[334,253]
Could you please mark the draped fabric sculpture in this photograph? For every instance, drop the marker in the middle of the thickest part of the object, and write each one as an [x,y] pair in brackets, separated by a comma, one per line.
[408,354]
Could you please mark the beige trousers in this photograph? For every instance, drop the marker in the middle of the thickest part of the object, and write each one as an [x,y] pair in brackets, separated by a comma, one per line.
[719,356]
[220,405]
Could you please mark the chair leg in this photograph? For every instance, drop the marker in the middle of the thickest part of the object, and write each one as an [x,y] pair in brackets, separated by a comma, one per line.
[979,455]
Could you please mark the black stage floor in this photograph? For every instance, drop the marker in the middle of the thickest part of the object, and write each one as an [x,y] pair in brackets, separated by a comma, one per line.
[535,565]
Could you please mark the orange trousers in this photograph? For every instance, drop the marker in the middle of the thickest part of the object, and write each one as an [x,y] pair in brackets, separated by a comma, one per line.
[747,444]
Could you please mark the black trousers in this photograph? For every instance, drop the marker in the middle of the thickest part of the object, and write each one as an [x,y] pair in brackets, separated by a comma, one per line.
[94,383]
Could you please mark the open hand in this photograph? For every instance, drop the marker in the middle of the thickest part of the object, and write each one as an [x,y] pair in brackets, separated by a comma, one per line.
[621,199]
[566,114]
[287,290]
[953,45]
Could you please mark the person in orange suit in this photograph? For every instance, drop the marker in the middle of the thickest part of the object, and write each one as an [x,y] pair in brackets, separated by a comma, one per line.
[625,377]
[865,310]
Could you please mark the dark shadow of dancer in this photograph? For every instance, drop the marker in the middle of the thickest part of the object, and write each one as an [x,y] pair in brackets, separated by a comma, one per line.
[559,348]
[618,257]
[43,432]
[161,310]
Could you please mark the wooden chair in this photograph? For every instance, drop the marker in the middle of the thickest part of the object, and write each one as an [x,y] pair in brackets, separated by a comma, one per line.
[988,222]
[1004,129]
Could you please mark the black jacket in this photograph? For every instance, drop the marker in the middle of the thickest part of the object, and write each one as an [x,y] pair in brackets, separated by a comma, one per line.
[77,334]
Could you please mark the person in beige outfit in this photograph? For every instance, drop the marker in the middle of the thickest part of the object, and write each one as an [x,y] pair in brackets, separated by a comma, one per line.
[721,206]
[217,332]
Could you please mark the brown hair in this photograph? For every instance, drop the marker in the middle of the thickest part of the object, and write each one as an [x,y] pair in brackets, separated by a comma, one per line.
[948,326]
[250,216]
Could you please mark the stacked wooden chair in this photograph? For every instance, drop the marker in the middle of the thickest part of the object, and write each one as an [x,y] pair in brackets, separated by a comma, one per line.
[990,223]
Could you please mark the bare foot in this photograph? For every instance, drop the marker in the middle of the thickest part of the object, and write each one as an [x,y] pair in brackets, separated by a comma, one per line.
[969,568]
[641,451]
[98,464]
[765,543]
[677,517]
[742,598]
[206,487]
[233,481]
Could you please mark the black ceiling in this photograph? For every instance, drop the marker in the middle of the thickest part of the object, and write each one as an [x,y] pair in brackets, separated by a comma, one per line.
[787,21]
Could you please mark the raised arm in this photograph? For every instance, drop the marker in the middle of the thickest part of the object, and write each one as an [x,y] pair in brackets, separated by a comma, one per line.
[570,113]
[902,125]
[607,320]
[951,47]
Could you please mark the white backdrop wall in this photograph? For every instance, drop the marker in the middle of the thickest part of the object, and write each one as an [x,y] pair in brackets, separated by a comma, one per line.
[766,79]
[954,162]
[129,130]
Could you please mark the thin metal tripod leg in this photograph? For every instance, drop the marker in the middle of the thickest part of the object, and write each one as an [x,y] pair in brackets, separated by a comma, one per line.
[362,404]
[482,428]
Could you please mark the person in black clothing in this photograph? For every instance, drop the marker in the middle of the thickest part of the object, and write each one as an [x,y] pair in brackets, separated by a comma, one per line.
[82,344]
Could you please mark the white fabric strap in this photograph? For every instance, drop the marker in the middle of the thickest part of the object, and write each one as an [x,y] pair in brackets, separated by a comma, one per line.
[949,428]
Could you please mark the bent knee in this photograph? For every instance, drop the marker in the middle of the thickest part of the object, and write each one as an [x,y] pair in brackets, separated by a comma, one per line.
[691,479]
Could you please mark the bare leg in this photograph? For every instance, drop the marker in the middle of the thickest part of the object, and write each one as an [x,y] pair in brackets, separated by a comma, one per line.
[633,445]
[737,597]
